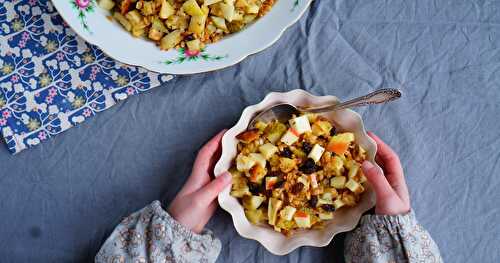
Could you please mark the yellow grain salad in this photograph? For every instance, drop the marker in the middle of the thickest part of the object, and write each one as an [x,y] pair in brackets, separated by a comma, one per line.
[295,175]
[185,23]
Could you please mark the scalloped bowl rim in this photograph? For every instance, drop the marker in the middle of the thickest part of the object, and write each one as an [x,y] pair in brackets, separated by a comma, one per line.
[273,241]
[267,30]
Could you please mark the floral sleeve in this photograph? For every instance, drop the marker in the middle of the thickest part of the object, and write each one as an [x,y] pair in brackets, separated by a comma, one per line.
[152,235]
[382,238]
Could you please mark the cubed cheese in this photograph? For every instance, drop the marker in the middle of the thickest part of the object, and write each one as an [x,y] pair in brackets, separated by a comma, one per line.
[316,152]
[338,182]
[244,163]
[300,124]
[258,158]
[302,219]
[267,150]
[354,186]
[290,137]
[270,182]
[274,206]
[288,212]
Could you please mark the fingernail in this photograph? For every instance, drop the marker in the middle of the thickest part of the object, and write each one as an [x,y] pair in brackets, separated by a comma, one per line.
[226,177]
[367,165]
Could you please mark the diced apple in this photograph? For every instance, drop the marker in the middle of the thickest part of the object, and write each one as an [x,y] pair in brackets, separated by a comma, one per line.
[244,163]
[170,40]
[277,229]
[210,2]
[304,180]
[290,137]
[314,181]
[354,186]
[353,170]
[302,219]
[338,182]
[274,206]
[274,131]
[267,150]
[193,45]
[300,124]
[219,22]
[340,142]
[228,11]
[326,215]
[316,152]
[270,182]
[288,212]
[338,204]
[321,128]
[258,158]
[287,164]
[252,202]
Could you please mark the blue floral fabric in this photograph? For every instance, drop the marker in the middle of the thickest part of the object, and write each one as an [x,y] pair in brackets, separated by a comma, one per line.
[51,79]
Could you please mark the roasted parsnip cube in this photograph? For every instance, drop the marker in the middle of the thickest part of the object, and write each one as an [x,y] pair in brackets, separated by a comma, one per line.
[354,186]
[248,136]
[257,173]
[192,8]
[256,216]
[338,182]
[219,22]
[252,202]
[258,158]
[287,164]
[123,21]
[166,10]
[171,40]
[193,45]
[338,203]
[274,206]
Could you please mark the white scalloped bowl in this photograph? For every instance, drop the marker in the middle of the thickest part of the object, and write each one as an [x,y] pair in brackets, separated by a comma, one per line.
[93,26]
[345,219]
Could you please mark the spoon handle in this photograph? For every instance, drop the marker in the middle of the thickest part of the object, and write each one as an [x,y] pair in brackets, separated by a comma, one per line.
[376,97]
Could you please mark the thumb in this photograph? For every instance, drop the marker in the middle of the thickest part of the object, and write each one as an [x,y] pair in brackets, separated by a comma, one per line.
[377,179]
[209,192]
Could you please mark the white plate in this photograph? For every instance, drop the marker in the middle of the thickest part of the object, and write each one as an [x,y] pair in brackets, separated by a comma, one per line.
[89,21]
[345,219]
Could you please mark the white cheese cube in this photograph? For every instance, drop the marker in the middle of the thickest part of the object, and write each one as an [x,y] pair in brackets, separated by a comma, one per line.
[258,158]
[268,150]
[316,152]
[244,163]
[288,212]
[290,137]
[300,124]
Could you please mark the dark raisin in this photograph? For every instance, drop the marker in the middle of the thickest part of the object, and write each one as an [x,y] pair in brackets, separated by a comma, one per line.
[254,188]
[308,167]
[313,201]
[333,131]
[189,37]
[306,147]
[279,183]
[328,208]
[296,188]
[287,153]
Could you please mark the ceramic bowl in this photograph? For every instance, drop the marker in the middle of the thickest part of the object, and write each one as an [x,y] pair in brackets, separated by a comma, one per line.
[345,219]
[90,21]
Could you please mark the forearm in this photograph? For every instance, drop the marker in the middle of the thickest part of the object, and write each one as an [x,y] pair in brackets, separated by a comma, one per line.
[381,238]
[152,235]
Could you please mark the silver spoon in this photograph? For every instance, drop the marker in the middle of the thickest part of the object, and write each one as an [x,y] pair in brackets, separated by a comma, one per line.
[284,111]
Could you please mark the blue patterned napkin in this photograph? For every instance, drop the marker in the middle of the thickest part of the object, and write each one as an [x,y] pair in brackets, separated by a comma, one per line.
[51,79]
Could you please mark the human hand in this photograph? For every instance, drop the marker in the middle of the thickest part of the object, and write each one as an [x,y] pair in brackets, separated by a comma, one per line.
[195,204]
[391,190]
